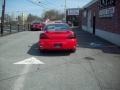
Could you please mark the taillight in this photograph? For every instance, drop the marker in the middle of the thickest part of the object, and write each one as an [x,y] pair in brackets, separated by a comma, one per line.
[43,36]
[71,36]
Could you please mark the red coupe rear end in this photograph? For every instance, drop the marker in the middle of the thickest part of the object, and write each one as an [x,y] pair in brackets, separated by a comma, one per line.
[37,26]
[57,37]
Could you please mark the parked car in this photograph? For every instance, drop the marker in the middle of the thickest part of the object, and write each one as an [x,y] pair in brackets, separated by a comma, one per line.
[37,26]
[57,36]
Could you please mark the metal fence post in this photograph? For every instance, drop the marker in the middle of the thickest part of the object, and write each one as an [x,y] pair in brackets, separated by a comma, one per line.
[24,27]
[10,27]
[18,27]
[28,27]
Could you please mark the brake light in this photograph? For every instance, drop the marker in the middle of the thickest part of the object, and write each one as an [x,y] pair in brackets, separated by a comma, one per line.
[71,36]
[43,36]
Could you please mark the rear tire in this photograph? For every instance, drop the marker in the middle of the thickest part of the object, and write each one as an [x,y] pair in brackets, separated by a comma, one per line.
[42,51]
[31,29]
[73,50]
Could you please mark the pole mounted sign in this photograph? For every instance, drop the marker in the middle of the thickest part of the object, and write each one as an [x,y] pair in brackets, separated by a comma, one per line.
[74,11]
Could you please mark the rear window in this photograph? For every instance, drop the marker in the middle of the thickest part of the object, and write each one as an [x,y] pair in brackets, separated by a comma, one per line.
[57,27]
[36,23]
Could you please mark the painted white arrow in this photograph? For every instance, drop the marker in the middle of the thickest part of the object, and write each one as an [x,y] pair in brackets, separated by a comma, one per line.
[31,60]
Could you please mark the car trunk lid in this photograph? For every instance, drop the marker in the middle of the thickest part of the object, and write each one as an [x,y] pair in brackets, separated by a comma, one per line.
[58,34]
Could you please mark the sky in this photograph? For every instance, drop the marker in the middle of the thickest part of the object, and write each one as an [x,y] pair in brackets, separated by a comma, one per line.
[18,6]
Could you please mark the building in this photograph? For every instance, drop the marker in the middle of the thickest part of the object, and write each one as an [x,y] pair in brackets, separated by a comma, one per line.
[102,18]
[73,15]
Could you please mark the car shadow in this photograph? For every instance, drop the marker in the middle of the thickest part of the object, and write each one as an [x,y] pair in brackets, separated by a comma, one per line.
[87,40]
[34,30]
[34,51]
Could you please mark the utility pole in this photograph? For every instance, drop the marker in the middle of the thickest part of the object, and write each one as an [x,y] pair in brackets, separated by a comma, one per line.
[2,17]
[22,18]
[65,10]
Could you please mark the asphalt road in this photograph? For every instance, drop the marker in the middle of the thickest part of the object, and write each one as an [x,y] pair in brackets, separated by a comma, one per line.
[94,66]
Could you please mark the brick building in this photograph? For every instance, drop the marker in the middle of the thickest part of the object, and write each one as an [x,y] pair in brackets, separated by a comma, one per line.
[102,18]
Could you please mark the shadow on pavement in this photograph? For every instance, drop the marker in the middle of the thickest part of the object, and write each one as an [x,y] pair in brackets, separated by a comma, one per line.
[87,40]
[36,52]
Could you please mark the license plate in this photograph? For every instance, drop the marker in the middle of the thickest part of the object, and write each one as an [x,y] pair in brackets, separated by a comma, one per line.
[57,45]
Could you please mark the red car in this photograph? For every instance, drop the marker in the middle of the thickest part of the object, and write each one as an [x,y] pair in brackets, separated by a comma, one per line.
[57,36]
[37,26]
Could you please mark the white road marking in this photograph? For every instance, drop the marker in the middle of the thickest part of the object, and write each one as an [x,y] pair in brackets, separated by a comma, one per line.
[31,60]
[19,83]
[95,44]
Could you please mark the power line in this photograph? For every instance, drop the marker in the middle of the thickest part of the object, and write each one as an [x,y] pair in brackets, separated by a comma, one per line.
[51,3]
[44,4]
[47,4]
[41,4]
[36,4]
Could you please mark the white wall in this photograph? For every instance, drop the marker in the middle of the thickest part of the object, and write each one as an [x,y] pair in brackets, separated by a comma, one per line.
[90,29]
[109,36]
[112,37]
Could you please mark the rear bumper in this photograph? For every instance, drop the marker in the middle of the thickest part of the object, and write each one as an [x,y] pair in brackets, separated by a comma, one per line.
[36,28]
[68,44]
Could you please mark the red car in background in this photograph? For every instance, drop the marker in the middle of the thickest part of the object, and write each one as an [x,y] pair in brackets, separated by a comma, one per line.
[57,36]
[37,26]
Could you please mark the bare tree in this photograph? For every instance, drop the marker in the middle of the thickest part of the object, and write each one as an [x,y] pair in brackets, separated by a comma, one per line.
[32,18]
[53,15]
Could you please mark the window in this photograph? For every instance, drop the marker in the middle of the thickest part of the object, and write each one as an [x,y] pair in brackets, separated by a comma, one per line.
[54,27]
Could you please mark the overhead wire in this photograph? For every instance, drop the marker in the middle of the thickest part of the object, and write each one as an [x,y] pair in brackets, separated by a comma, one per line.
[47,4]
[37,4]
[51,3]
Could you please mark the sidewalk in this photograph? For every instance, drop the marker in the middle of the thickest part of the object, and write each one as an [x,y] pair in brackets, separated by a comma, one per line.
[87,40]
[7,32]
